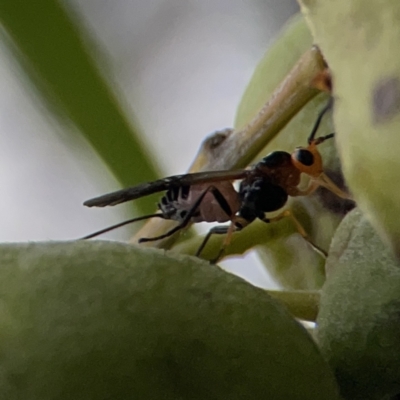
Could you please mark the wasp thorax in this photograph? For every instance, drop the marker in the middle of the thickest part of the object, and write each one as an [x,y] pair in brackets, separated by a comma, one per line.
[259,197]
[275,159]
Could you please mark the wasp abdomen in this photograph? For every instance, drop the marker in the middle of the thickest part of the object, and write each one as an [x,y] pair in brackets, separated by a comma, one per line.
[219,204]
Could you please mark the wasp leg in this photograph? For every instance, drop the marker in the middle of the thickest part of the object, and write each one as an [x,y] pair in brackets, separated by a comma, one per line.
[165,235]
[299,228]
[228,230]
[326,182]
[217,230]
[129,221]
[218,196]
[313,185]
[183,223]
[236,225]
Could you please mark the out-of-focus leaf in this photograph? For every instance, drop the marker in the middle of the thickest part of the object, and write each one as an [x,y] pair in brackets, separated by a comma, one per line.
[358,323]
[106,320]
[360,40]
[301,304]
[53,48]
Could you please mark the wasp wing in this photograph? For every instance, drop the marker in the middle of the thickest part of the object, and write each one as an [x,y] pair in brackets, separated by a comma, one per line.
[145,189]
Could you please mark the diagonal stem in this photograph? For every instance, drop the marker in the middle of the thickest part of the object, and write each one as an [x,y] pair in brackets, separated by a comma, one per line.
[236,148]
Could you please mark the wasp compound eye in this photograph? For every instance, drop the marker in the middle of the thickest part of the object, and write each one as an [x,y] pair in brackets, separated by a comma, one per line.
[304,157]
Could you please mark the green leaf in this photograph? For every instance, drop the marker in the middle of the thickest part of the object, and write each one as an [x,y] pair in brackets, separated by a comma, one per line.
[53,48]
[358,323]
[90,320]
[360,40]
[301,304]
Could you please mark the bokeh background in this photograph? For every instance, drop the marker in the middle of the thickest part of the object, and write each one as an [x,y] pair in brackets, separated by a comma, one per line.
[178,69]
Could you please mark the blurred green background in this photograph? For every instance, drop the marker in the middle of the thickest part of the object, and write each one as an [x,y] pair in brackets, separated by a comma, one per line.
[124,92]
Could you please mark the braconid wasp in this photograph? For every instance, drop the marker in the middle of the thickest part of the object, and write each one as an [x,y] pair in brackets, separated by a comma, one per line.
[211,197]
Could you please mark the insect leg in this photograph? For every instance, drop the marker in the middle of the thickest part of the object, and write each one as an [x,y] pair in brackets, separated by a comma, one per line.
[165,235]
[188,216]
[311,188]
[299,228]
[230,229]
[237,224]
[217,230]
[129,221]
[326,182]
[220,230]
[181,225]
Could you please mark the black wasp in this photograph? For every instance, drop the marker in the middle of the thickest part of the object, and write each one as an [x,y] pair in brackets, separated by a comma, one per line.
[211,196]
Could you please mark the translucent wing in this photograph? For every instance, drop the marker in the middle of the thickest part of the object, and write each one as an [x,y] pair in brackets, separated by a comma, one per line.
[145,189]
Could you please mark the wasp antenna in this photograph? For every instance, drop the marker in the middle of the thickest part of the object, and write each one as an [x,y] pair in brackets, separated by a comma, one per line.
[129,221]
[319,119]
[323,138]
